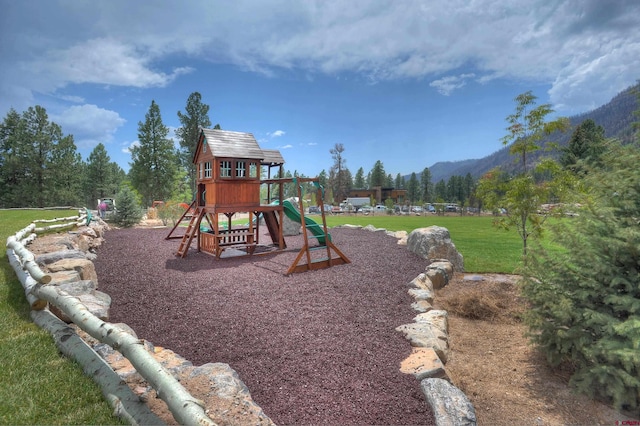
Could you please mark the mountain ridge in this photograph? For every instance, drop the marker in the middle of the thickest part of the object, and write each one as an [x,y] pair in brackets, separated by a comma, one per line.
[616,116]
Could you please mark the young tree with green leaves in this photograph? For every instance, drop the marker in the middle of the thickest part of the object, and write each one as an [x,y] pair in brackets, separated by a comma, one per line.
[522,195]
[585,298]
[154,160]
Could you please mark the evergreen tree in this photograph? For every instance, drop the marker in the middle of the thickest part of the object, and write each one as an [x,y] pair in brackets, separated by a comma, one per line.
[388,182]
[399,181]
[413,189]
[359,181]
[196,115]
[12,154]
[154,162]
[98,174]
[128,211]
[67,173]
[427,185]
[585,146]
[585,298]
[441,190]
[377,175]
[30,146]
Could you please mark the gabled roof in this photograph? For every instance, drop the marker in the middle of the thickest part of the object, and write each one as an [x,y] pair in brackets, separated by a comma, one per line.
[272,157]
[225,143]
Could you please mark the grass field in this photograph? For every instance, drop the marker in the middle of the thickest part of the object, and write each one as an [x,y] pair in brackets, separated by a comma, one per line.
[37,384]
[484,247]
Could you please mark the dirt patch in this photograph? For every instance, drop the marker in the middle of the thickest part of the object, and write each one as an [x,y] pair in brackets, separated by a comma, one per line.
[492,362]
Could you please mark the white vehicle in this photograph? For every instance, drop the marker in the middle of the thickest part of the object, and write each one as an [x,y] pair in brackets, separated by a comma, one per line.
[354,203]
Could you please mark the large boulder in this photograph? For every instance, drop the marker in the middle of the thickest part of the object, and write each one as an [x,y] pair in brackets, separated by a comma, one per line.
[435,242]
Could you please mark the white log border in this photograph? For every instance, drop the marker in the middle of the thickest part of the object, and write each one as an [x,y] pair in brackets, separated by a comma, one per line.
[185,408]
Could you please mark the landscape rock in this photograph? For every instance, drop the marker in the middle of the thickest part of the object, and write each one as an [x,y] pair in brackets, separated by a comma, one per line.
[424,335]
[435,242]
[78,287]
[84,267]
[450,405]
[421,306]
[423,363]
[422,282]
[55,256]
[438,277]
[435,318]
[289,227]
[63,277]
[225,394]
[419,294]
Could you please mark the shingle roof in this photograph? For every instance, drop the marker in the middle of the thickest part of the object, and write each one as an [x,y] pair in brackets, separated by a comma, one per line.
[225,143]
[272,157]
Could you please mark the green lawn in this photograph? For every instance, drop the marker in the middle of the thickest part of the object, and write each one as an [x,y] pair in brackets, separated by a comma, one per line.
[37,384]
[484,247]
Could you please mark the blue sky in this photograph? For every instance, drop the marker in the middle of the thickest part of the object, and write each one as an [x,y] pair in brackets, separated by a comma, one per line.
[409,83]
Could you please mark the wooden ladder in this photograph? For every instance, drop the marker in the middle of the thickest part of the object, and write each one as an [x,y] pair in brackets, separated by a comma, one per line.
[192,229]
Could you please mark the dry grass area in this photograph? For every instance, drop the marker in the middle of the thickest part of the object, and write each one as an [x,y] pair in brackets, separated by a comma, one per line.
[492,362]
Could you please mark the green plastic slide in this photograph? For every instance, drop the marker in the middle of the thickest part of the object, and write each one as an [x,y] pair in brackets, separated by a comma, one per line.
[292,213]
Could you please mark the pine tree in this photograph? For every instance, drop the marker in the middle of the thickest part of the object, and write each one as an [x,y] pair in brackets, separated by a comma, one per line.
[585,298]
[128,211]
[413,189]
[196,115]
[427,185]
[154,165]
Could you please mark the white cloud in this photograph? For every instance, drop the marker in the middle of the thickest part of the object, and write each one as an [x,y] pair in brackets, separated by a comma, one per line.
[447,85]
[102,61]
[89,124]
[127,149]
[276,134]
[285,147]
[576,46]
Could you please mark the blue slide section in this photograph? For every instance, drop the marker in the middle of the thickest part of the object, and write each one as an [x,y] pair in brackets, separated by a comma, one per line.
[292,213]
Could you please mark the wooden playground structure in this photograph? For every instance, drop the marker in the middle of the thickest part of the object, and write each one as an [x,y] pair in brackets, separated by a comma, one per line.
[229,166]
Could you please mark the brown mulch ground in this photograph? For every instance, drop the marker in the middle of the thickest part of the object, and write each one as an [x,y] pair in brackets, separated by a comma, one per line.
[317,347]
[493,363]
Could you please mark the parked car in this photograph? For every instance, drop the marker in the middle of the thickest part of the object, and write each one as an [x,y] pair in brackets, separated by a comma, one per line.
[451,209]
[366,209]
[431,209]
[380,208]
[314,210]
